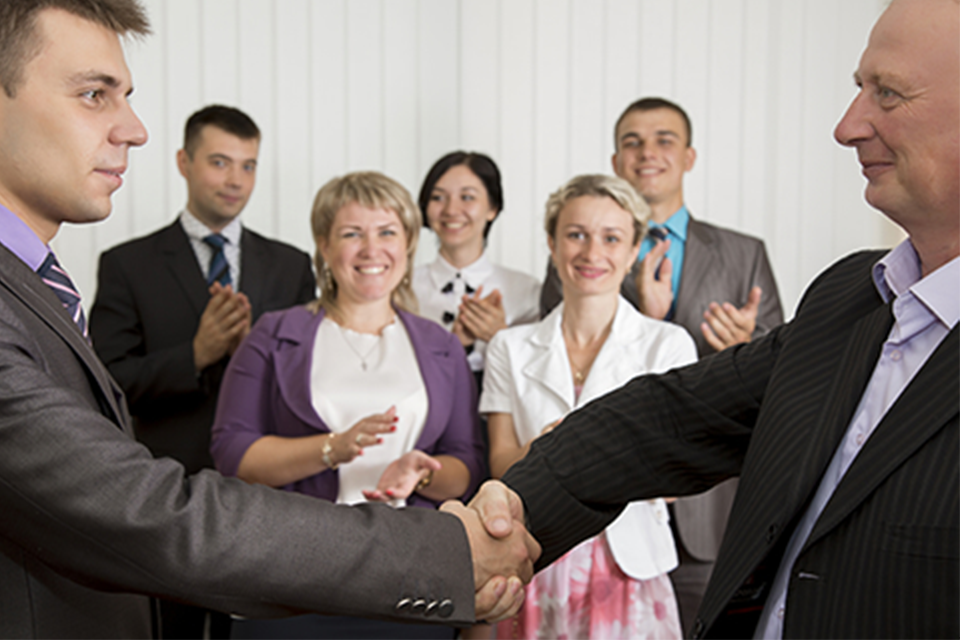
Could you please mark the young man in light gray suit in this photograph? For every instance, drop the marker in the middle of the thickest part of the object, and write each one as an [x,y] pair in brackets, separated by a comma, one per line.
[714,282]
[92,524]
[842,424]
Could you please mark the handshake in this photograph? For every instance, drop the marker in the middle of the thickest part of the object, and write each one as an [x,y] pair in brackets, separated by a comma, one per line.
[503,550]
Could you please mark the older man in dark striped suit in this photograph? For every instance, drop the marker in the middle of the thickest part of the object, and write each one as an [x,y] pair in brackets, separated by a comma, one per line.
[842,424]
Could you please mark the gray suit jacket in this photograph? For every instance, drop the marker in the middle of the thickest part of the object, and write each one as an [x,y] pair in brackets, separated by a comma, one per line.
[719,265]
[92,522]
[883,559]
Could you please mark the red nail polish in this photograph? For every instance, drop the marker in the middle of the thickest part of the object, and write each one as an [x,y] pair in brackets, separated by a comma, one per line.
[395,418]
[379,440]
[393,428]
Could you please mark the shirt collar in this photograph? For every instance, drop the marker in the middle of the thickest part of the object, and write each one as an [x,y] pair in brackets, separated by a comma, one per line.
[899,272]
[20,239]
[475,274]
[196,230]
[676,224]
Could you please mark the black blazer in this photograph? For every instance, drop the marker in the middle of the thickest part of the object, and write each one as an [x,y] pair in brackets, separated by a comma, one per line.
[92,522]
[150,296]
[882,560]
[719,265]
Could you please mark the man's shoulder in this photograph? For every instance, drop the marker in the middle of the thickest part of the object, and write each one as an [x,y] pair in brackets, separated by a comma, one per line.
[711,232]
[139,244]
[276,247]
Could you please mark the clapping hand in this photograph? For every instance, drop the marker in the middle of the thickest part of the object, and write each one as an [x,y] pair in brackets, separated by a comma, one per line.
[726,325]
[402,476]
[655,282]
[481,318]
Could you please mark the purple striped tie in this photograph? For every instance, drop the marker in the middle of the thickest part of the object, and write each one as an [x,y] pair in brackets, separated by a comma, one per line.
[57,279]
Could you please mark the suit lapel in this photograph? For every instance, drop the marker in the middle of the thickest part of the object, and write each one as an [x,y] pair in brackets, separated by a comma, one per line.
[438,370]
[853,372]
[292,365]
[549,367]
[921,411]
[251,274]
[30,289]
[182,262]
[698,259]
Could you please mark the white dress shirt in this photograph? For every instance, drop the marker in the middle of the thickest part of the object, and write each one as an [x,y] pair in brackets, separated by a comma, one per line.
[521,294]
[196,231]
[924,311]
[528,376]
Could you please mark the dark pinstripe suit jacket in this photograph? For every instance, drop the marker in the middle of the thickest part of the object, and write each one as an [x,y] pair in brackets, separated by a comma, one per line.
[882,560]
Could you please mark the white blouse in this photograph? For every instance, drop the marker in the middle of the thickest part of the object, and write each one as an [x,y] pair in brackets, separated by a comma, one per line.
[528,376]
[354,375]
[439,287]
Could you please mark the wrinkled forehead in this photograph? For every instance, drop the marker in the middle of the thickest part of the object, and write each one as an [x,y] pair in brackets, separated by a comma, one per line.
[917,35]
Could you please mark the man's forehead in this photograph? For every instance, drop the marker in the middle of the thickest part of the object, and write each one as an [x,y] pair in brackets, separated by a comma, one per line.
[661,121]
[83,50]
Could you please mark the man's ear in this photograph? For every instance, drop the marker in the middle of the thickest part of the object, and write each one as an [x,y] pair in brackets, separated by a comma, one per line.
[182,160]
[690,157]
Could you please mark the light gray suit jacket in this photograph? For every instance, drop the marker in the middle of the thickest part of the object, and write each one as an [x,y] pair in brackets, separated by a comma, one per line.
[719,265]
[92,523]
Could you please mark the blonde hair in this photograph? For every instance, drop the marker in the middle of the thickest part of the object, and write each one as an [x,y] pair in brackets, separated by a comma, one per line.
[375,191]
[599,186]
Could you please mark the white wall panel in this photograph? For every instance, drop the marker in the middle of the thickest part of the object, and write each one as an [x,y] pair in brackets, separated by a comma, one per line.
[341,85]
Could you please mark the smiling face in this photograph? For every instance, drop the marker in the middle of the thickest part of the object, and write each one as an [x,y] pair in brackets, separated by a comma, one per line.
[66,133]
[458,211]
[652,155]
[593,246]
[366,252]
[905,120]
[220,175]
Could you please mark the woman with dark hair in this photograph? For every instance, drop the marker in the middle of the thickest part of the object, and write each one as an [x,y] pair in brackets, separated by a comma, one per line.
[462,290]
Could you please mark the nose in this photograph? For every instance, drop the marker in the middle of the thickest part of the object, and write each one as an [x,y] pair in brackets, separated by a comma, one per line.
[129,130]
[592,248]
[855,125]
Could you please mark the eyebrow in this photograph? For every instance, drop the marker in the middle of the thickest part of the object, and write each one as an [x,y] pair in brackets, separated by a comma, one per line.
[223,156]
[98,77]
[659,132]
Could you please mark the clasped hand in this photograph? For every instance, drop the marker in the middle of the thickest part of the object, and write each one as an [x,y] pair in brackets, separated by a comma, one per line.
[502,550]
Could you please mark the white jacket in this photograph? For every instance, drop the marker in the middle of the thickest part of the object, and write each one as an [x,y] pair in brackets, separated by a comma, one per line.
[528,376]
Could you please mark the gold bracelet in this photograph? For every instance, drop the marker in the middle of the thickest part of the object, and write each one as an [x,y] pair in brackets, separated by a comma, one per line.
[327,450]
[424,481]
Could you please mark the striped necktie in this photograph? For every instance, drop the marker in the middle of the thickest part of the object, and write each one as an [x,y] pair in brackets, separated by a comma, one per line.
[219,270]
[57,279]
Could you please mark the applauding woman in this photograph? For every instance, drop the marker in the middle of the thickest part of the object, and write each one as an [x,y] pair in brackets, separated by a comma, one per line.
[462,290]
[614,585]
[353,397]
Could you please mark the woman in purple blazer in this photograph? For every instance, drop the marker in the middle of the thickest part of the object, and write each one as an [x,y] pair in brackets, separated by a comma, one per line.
[353,398]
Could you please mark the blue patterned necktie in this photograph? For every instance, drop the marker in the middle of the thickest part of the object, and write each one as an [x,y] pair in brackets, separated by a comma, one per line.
[57,279]
[219,267]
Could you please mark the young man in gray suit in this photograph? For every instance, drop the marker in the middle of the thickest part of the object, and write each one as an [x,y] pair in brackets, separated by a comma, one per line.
[92,523]
[842,424]
[714,282]
[172,306]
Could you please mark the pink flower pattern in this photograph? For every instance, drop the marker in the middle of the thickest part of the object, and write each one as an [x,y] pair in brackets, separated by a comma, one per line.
[584,594]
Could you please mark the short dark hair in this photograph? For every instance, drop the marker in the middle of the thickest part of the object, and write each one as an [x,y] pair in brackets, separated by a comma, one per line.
[229,119]
[20,41]
[481,165]
[649,104]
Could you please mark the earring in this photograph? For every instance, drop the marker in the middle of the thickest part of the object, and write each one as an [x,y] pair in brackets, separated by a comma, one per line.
[327,278]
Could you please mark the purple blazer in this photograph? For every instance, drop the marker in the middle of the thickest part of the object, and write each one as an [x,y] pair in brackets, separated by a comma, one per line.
[266,390]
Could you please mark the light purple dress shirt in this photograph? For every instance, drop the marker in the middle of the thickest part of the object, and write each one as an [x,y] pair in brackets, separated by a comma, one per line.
[924,311]
[20,239]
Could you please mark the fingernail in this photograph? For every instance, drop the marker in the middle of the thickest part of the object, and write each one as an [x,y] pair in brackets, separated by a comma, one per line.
[379,440]
[393,428]
[500,588]
[395,418]
[389,492]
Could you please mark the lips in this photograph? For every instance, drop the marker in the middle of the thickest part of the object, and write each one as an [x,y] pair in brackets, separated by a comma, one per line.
[873,168]
[590,272]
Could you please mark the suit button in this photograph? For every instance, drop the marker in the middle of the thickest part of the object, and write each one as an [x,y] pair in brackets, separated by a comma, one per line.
[771,533]
[431,608]
[445,610]
[418,606]
[698,628]
[403,605]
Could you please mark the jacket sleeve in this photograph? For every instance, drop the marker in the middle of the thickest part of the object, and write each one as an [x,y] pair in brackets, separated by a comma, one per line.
[243,406]
[678,434]
[770,313]
[81,497]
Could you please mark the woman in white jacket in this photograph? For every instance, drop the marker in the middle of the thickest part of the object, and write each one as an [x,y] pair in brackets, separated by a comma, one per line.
[615,585]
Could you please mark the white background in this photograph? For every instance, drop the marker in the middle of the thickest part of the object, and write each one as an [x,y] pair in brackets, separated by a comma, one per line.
[342,85]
